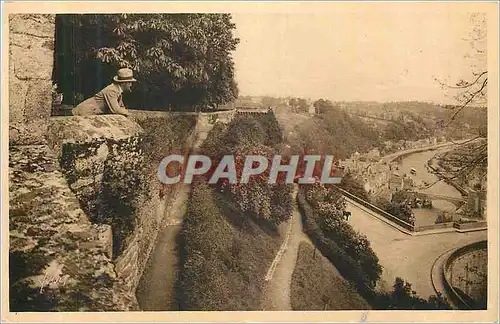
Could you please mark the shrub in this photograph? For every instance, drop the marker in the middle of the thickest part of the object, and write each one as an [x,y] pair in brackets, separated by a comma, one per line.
[402,211]
[164,136]
[245,132]
[347,250]
[245,136]
[281,202]
[353,186]
[403,297]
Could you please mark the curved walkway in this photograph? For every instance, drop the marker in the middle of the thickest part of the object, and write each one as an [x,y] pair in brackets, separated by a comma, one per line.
[155,291]
[437,275]
[402,255]
[279,275]
[277,292]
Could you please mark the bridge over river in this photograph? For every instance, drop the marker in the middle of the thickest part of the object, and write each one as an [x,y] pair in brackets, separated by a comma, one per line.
[401,254]
[443,197]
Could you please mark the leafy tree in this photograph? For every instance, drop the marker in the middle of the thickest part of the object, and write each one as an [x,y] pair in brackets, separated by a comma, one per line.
[403,297]
[243,136]
[321,106]
[303,106]
[402,211]
[352,185]
[245,131]
[180,60]
[346,248]
[294,104]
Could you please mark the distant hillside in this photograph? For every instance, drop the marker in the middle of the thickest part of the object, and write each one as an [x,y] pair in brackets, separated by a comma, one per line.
[342,128]
[335,132]
[432,116]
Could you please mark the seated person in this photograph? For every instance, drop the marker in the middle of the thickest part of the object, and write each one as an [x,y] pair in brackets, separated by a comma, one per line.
[108,100]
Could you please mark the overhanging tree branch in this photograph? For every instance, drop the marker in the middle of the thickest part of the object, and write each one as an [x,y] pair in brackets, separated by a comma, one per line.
[468,101]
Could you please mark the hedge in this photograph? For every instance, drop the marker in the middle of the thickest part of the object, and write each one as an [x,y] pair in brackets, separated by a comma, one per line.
[347,266]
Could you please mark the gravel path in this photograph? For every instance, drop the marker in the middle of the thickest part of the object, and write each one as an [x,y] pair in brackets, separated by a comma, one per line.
[277,290]
[277,293]
[156,288]
[155,291]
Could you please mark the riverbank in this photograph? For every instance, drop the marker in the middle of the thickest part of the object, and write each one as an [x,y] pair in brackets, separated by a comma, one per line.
[391,157]
[434,168]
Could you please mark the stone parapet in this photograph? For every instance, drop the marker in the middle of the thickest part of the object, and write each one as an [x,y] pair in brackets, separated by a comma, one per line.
[90,148]
[59,260]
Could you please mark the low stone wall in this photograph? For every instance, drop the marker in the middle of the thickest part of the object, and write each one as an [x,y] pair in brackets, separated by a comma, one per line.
[470,226]
[378,211]
[86,148]
[455,277]
[105,171]
[59,260]
[433,227]
[103,162]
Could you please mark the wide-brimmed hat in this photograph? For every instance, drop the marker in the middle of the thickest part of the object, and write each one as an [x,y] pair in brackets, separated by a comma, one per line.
[124,75]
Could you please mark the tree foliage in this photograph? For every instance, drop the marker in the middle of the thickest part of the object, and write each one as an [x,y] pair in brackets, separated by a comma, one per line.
[399,209]
[327,213]
[403,296]
[335,132]
[244,136]
[407,126]
[322,106]
[180,60]
[354,186]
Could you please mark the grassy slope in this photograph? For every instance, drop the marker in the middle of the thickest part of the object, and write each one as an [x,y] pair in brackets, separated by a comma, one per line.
[316,283]
[289,120]
[224,256]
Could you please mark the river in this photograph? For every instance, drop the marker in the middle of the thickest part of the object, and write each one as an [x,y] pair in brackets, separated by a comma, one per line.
[418,161]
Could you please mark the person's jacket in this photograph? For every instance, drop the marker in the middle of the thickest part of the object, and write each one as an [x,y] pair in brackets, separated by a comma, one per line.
[107,101]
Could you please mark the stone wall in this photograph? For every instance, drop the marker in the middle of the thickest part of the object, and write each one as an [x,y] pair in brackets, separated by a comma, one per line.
[58,259]
[110,163]
[106,170]
[85,146]
[31,47]
[465,275]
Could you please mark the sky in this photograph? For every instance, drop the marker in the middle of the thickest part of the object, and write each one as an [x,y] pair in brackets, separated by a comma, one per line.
[367,55]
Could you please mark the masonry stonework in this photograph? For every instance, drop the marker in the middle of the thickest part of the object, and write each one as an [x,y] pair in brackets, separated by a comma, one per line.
[31,57]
